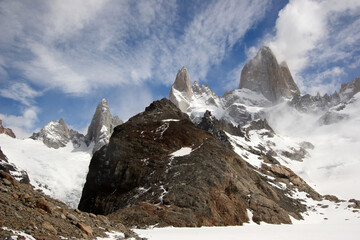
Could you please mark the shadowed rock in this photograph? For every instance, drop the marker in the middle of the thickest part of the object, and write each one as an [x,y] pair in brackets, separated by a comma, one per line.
[140,178]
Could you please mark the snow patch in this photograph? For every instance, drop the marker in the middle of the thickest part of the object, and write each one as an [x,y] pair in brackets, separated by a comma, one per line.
[181,152]
[171,120]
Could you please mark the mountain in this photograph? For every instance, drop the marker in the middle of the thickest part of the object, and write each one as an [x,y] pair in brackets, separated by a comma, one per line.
[181,89]
[102,125]
[56,135]
[239,106]
[263,74]
[159,168]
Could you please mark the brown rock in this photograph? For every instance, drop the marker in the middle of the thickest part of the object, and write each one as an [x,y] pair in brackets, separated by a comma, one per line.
[44,205]
[92,215]
[85,228]
[5,175]
[45,237]
[103,219]
[72,217]
[49,228]
[332,198]
[15,195]
[6,131]
[6,182]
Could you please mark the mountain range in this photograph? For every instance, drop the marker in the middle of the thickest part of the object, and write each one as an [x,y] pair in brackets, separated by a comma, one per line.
[261,153]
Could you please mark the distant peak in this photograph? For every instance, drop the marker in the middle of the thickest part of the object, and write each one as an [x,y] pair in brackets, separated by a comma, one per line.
[182,82]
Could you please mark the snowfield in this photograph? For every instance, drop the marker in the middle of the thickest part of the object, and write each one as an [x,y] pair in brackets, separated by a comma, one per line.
[324,220]
[59,173]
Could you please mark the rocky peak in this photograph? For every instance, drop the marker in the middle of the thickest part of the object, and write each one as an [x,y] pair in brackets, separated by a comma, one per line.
[55,134]
[159,168]
[348,90]
[263,74]
[181,92]
[102,125]
[6,131]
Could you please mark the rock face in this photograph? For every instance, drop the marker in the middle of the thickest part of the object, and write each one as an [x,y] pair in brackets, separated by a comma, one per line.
[11,169]
[102,125]
[181,92]
[36,216]
[348,90]
[264,75]
[160,168]
[6,131]
[56,134]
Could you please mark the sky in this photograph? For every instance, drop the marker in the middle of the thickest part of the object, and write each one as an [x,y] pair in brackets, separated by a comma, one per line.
[59,58]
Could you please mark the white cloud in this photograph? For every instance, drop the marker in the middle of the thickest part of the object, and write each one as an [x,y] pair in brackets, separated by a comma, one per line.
[79,46]
[21,125]
[327,81]
[20,92]
[210,36]
[317,34]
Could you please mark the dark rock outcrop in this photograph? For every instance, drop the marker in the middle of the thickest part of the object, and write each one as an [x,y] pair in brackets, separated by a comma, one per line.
[6,131]
[11,169]
[218,127]
[102,126]
[142,178]
[264,75]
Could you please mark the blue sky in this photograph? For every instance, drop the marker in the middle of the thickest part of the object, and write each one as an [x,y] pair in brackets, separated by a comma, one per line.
[60,58]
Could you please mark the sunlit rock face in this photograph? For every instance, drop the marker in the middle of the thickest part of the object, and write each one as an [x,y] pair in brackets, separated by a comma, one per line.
[264,75]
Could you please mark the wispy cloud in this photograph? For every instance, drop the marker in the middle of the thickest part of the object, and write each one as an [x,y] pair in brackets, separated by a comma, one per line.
[20,92]
[23,124]
[317,35]
[79,46]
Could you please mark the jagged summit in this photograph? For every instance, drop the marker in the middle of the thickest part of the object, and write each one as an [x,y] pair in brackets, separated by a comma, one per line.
[159,168]
[55,134]
[6,131]
[101,126]
[181,89]
[263,74]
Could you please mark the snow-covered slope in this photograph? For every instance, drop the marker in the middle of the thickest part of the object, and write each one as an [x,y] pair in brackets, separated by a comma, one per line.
[333,164]
[60,173]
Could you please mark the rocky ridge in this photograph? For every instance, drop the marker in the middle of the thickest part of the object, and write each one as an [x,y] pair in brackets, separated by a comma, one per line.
[56,134]
[159,168]
[28,214]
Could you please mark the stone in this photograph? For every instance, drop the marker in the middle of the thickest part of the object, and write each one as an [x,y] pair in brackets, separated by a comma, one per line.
[263,74]
[49,228]
[85,228]
[72,217]
[6,182]
[44,205]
